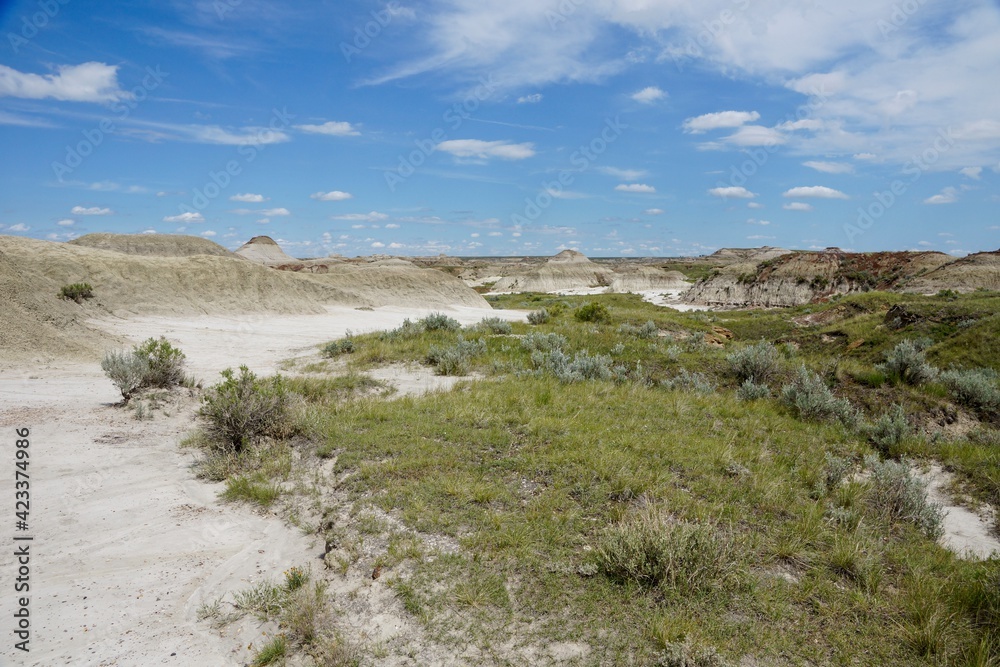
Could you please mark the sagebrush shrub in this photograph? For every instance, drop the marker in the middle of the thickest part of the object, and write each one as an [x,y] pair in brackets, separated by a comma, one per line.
[455,359]
[973,388]
[646,331]
[757,363]
[440,322]
[581,367]
[812,399]
[889,430]
[538,316]
[494,325]
[751,391]
[896,494]
[655,550]
[338,347]
[126,371]
[243,409]
[907,363]
[690,381]
[544,342]
[408,329]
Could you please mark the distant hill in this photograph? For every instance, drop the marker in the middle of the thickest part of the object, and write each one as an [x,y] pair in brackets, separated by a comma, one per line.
[158,245]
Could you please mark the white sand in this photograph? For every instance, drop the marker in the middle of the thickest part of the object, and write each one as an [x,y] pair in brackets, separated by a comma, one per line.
[128,543]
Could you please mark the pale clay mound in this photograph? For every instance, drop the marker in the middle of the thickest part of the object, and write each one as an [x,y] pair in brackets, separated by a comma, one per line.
[978,271]
[162,245]
[264,250]
[36,323]
[572,272]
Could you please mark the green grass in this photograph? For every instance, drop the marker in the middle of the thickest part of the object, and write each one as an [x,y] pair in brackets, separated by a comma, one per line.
[651,522]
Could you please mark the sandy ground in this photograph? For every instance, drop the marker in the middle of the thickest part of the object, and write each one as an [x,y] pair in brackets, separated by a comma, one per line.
[966,532]
[127,542]
[664,298]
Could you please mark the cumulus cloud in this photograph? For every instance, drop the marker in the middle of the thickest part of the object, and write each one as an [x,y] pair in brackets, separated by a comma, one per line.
[732,192]
[653,211]
[89,82]
[830,167]
[93,210]
[640,188]
[947,196]
[476,148]
[66,222]
[815,191]
[721,119]
[333,195]
[331,128]
[208,233]
[530,99]
[648,95]
[972,172]
[249,198]
[185,217]
[797,206]
[272,212]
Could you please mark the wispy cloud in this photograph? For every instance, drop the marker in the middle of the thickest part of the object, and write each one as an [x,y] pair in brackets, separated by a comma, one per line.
[374,216]
[333,195]
[947,196]
[640,188]
[248,198]
[331,128]
[92,210]
[830,167]
[534,98]
[190,217]
[797,206]
[648,95]
[719,120]
[89,82]
[623,174]
[475,148]
[815,191]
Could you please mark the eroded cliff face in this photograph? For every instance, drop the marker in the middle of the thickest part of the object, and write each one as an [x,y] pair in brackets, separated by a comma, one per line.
[803,277]
[978,271]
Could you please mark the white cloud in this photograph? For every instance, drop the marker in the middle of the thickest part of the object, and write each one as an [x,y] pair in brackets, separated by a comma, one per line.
[392,225]
[623,174]
[475,148]
[208,233]
[396,246]
[640,188]
[653,211]
[566,194]
[378,244]
[721,119]
[648,95]
[374,216]
[762,223]
[754,204]
[830,167]
[19,227]
[802,124]
[89,82]
[530,99]
[797,206]
[333,195]
[732,192]
[271,212]
[331,128]
[948,196]
[66,222]
[185,217]
[756,135]
[249,198]
[971,172]
[760,237]
[866,157]
[815,191]
[93,210]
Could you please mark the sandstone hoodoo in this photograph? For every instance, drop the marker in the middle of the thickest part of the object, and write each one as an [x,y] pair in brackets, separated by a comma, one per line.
[264,250]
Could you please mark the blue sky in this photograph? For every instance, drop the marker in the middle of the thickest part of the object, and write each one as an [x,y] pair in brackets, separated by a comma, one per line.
[476,127]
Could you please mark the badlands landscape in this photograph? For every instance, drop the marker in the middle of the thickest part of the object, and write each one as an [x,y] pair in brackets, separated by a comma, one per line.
[755,457]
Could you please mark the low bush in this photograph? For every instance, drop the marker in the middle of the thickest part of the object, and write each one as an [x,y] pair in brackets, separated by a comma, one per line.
[646,331]
[543,342]
[243,409]
[494,325]
[973,388]
[77,292]
[907,363]
[686,380]
[538,316]
[455,359]
[889,430]
[126,371]
[592,312]
[757,363]
[165,362]
[440,322]
[338,347]
[581,367]
[896,494]
[809,396]
[656,551]
[751,391]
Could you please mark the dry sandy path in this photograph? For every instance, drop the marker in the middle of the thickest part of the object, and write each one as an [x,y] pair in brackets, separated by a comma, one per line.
[128,544]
